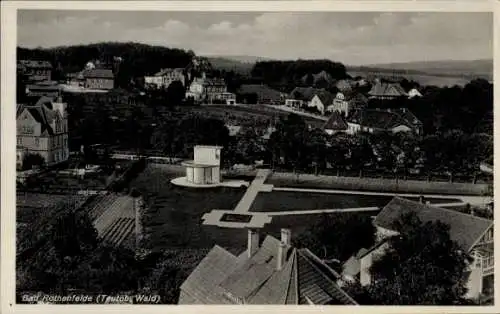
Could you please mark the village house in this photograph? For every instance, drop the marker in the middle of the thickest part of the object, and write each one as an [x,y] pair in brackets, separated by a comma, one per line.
[388,120]
[273,272]
[165,77]
[263,93]
[99,78]
[387,91]
[347,102]
[321,101]
[206,89]
[35,70]
[42,129]
[309,97]
[473,234]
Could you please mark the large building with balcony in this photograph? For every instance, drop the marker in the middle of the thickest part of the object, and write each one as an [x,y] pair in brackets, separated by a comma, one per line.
[42,129]
[473,234]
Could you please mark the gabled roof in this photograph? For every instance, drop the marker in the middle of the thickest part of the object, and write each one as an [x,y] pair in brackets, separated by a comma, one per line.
[387,90]
[465,229]
[222,278]
[384,119]
[42,112]
[336,122]
[326,97]
[305,93]
[98,73]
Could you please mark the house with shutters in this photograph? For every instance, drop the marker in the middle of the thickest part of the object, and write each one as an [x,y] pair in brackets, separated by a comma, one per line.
[42,129]
[387,91]
[473,234]
[267,272]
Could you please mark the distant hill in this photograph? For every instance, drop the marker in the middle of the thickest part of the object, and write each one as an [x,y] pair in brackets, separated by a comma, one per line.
[243,59]
[469,68]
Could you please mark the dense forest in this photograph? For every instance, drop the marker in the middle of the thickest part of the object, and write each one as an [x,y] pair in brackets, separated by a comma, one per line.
[288,74]
[137,59]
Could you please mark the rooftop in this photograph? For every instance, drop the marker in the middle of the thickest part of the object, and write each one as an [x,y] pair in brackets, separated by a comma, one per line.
[223,278]
[465,229]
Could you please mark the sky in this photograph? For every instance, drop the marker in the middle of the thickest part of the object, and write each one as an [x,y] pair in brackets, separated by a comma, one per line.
[353,38]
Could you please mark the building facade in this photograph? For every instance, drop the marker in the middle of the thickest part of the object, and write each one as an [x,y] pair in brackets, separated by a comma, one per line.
[473,234]
[99,79]
[43,129]
[165,77]
[35,70]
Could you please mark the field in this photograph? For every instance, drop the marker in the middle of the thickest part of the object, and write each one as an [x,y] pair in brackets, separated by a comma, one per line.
[246,114]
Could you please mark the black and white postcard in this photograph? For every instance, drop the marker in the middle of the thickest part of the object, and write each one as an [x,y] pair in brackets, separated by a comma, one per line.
[297,154]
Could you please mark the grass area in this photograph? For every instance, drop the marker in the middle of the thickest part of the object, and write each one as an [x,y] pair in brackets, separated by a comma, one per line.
[247,114]
[29,204]
[283,201]
[173,220]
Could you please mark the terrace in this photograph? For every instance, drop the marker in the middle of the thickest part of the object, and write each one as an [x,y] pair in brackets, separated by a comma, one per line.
[179,218]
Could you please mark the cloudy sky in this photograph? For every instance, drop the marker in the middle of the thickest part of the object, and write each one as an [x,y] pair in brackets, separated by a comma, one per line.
[349,37]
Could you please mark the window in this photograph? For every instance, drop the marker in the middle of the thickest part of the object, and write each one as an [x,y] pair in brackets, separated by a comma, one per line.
[37,142]
[19,141]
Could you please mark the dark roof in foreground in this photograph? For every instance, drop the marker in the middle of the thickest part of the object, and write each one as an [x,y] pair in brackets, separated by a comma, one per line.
[384,119]
[465,229]
[336,122]
[223,278]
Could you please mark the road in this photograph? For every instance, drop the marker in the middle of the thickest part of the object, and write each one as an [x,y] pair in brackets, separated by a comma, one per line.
[255,187]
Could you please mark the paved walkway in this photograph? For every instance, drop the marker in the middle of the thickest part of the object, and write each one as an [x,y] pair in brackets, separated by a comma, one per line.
[255,187]
[473,200]
[341,210]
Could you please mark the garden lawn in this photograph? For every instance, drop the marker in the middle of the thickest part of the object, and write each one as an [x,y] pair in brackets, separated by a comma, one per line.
[286,201]
[173,219]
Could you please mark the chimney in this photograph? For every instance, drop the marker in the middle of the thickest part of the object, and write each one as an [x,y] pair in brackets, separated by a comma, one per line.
[281,258]
[253,242]
[286,235]
[283,248]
